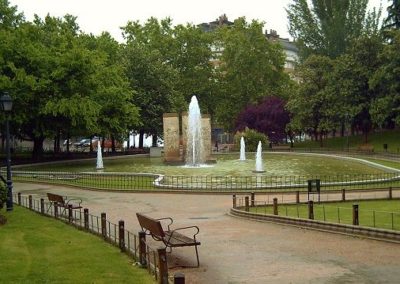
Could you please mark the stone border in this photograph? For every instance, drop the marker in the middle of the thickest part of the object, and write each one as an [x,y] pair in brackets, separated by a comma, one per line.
[368,232]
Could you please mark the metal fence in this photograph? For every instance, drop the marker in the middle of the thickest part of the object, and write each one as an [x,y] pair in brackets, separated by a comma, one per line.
[113,233]
[131,181]
[326,212]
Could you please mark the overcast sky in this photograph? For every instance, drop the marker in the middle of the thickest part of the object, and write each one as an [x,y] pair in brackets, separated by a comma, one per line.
[95,16]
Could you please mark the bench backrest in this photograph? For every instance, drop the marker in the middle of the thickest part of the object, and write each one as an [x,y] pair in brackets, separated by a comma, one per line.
[151,225]
[55,198]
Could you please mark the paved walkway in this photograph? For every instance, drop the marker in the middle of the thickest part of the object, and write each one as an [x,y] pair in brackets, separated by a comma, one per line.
[234,250]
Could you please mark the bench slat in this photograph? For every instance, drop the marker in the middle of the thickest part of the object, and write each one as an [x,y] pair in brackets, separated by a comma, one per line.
[179,240]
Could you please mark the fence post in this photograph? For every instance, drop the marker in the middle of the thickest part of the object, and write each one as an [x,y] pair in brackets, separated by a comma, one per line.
[275,200]
[390,193]
[70,213]
[343,194]
[355,215]
[103,225]
[142,249]
[234,201]
[297,197]
[55,210]
[252,199]
[311,209]
[42,206]
[121,226]
[86,218]
[162,266]
[246,204]
[19,198]
[179,278]
[30,201]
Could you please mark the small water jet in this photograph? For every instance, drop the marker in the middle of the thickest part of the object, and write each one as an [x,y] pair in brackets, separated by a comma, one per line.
[259,162]
[194,149]
[242,150]
[99,162]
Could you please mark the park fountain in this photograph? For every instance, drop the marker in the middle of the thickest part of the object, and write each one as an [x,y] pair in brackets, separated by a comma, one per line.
[242,150]
[194,148]
[259,162]
[99,162]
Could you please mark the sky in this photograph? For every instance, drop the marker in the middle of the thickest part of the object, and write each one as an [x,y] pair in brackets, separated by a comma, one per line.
[95,16]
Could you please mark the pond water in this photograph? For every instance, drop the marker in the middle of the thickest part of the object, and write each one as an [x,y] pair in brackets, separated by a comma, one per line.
[275,164]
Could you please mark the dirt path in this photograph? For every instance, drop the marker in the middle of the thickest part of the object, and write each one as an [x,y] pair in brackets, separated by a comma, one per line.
[234,250]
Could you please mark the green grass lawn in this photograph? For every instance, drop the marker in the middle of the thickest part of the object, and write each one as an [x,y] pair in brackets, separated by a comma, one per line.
[37,249]
[372,213]
[377,139]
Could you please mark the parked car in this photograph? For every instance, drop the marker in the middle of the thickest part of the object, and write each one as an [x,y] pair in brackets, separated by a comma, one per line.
[83,143]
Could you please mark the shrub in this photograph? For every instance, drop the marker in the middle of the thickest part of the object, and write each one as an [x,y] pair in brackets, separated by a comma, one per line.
[3,194]
[251,139]
[269,117]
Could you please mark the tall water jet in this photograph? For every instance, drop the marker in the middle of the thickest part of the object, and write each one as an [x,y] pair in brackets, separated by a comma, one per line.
[99,162]
[259,163]
[242,150]
[194,148]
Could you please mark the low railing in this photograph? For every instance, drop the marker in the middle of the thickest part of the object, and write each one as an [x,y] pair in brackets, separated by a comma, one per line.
[325,215]
[154,260]
[130,181]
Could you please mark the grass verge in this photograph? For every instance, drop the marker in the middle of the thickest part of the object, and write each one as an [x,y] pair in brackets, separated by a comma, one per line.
[36,249]
[383,214]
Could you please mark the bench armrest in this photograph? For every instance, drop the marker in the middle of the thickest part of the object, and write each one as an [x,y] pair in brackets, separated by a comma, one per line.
[73,200]
[167,218]
[185,228]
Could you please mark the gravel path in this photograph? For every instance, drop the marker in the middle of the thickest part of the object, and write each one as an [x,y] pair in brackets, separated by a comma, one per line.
[235,250]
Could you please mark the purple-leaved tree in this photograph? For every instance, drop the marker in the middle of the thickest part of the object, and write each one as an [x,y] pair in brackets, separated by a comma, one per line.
[269,117]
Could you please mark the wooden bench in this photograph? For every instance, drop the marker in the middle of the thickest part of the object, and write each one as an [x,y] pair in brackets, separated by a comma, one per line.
[366,148]
[281,147]
[170,237]
[63,202]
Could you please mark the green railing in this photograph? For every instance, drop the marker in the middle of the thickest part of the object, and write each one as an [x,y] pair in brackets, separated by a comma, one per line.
[131,181]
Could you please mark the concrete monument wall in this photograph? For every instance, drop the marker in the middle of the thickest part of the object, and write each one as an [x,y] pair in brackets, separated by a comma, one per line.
[171,137]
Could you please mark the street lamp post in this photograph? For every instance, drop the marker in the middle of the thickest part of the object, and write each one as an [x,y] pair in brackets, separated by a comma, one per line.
[6,106]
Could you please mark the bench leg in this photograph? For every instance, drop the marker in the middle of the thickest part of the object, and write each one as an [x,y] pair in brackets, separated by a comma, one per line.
[197,256]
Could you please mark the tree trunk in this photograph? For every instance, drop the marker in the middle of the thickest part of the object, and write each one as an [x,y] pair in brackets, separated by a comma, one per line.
[141,138]
[37,152]
[91,144]
[154,141]
[321,139]
[128,143]
[112,144]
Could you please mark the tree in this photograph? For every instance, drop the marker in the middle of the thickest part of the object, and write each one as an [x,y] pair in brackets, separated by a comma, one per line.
[311,104]
[269,117]
[385,82]
[328,27]
[251,68]
[393,19]
[117,112]
[351,76]
[191,58]
[148,66]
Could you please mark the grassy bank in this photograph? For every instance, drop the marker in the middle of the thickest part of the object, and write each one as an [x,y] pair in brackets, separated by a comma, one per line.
[376,139]
[36,249]
[383,214]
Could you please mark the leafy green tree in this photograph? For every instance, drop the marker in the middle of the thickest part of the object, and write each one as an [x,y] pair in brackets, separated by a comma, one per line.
[114,95]
[393,19]
[191,58]
[148,54]
[385,108]
[351,77]
[9,16]
[328,27]
[311,103]
[251,68]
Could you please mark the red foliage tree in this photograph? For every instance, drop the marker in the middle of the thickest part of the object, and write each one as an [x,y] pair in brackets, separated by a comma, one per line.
[269,117]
